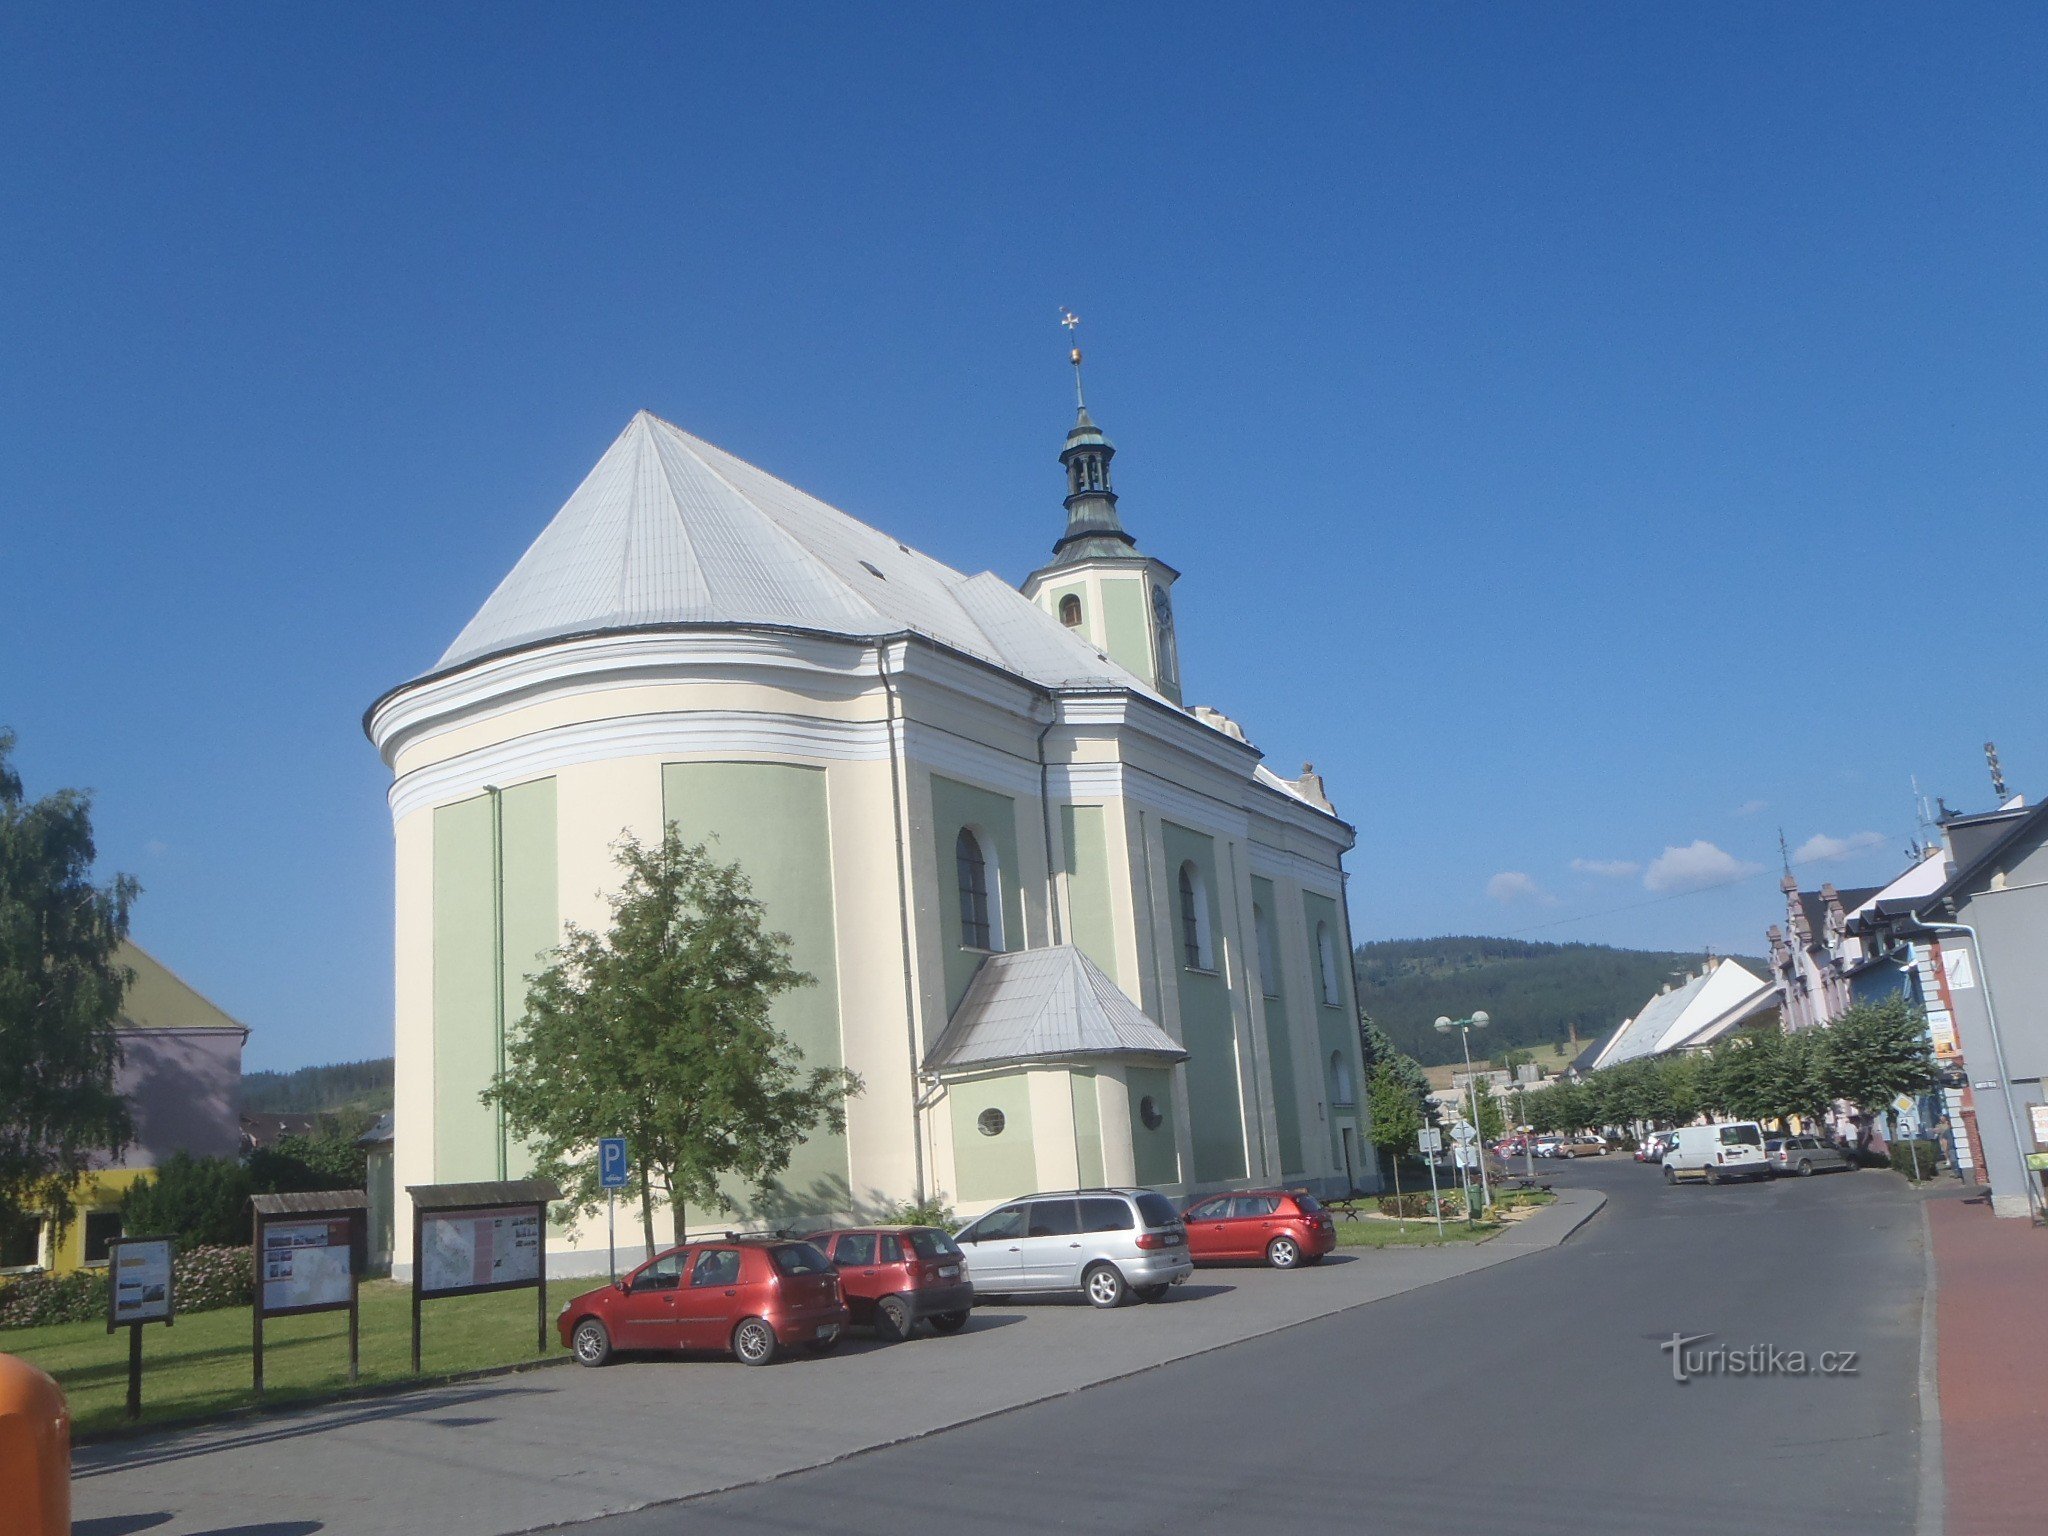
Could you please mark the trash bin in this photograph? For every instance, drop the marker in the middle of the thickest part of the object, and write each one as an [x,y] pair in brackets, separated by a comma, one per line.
[35,1452]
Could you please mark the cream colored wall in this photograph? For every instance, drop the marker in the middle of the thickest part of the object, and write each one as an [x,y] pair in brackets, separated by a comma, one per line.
[412,1022]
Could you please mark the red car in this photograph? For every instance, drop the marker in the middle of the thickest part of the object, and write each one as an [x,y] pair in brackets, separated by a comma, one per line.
[897,1277]
[1283,1228]
[751,1296]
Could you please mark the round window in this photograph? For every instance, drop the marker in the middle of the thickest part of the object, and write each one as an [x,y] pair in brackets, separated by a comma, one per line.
[991,1122]
[1148,1111]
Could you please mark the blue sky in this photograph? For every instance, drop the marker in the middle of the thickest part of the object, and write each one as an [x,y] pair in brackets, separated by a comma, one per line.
[1585,432]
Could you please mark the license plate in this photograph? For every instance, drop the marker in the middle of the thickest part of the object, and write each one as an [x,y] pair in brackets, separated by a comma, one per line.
[949,1271]
[1174,1239]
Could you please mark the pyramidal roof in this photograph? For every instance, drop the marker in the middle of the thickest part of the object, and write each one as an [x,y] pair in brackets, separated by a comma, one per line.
[669,530]
[1046,1004]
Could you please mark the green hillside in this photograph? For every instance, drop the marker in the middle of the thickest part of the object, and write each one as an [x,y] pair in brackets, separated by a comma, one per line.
[339,1085]
[1536,992]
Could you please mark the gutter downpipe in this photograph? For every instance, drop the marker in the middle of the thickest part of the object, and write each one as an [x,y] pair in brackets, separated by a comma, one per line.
[903,924]
[2012,1115]
[1052,870]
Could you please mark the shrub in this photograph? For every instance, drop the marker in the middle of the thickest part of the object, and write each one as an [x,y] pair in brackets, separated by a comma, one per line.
[926,1213]
[1417,1206]
[199,1201]
[206,1279]
[1904,1153]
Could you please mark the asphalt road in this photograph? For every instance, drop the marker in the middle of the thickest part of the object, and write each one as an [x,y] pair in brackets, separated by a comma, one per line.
[1532,1397]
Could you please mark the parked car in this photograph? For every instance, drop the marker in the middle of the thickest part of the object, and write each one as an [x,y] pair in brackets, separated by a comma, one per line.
[894,1278]
[1654,1146]
[1108,1244]
[1803,1155]
[1286,1230]
[1546,1146]
[1581,1146]
[747,1296]
[1733,1149]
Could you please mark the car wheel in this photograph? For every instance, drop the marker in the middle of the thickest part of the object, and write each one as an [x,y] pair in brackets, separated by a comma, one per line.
[894,1321]
[1152,1292]
[1713,1174]
[591,1343]
[1805,1167]
[1670,1175]
[1283,1253]
[950,1322]
[1104,1286]
[755,1342]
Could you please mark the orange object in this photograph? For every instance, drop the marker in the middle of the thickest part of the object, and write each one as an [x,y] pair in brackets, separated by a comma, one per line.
[35,1452]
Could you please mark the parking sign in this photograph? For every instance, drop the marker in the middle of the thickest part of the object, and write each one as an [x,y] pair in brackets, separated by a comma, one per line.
[611,1162]
[1431,1139]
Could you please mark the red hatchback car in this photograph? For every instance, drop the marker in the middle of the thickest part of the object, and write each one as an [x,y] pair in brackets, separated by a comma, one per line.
[1284,1229]
[750,1296]
[897,1277]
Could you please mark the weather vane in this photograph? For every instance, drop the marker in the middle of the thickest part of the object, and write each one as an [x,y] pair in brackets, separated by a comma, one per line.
[1070,320]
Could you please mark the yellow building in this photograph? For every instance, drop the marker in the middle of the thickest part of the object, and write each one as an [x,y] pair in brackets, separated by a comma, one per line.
[181,1073]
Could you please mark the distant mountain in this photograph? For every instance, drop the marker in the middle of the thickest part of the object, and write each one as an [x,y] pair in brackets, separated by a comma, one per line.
[340,1085]
[1536,993]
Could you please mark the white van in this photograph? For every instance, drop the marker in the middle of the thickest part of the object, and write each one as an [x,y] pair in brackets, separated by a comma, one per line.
[1733,1149]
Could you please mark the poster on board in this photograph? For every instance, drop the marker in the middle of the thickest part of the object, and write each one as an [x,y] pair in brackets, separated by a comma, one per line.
[474,1249]
[139,1280]
[306,1264]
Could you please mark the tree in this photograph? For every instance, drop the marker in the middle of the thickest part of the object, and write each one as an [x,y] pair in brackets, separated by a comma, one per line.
[1492,1118]
[659,1031]
[1394,1116]
[1876,1051]
[60,995]
[1379,1051]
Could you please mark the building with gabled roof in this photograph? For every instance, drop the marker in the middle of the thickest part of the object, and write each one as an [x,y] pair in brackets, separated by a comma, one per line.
[1706,1006]
[1028,880]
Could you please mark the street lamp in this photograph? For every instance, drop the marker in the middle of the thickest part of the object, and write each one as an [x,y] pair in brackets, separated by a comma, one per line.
[1479,1020]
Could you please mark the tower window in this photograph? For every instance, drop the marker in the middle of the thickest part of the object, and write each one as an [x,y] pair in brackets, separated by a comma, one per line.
[1326,960]
[1070,611]
[1095,474]
[977,928]
[1197,951]
[1343,1086]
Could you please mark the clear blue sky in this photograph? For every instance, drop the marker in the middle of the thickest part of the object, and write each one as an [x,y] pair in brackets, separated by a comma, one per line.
[1584,431]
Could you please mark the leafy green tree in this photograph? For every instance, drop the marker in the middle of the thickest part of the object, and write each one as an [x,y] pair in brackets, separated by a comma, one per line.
[659,1031]
[1493,1121]
[1378,1051]
[60,994]
[1800,1084]
[1875,1052]
[1394,1116]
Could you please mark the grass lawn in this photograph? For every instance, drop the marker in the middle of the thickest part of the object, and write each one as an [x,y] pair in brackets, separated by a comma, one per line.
[201,1364]
[1417,1232]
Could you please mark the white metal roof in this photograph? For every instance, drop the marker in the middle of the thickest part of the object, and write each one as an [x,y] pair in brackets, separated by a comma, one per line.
[1045,1004]
[1669,1018]
[668,529]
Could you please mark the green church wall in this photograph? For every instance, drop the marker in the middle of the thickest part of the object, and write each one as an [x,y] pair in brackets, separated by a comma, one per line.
[1127,623]
[1153,1147]
[1279,1037]
[1336,1023]
[993,1167]
[772,819]
[469,965]
[994,819]
[1087,1127]
[1208,1025]
[1084,830]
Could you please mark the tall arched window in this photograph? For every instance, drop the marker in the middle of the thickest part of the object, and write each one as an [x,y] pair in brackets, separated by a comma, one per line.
[1326,959]
[1343,1087]
[1196,949]
[1070,611]
[977,931]
[1269,962]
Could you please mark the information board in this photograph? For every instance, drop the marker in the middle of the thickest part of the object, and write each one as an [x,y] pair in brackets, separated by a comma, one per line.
[478,1250]
[307,1265]
[139,1281]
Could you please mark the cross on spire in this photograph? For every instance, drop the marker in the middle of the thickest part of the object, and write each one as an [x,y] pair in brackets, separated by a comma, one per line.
[1071,320]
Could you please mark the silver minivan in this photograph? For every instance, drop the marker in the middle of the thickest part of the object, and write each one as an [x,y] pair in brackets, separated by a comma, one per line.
[1105,1243]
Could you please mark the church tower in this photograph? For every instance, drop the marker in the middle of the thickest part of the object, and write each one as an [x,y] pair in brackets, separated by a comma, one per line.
[1099,583]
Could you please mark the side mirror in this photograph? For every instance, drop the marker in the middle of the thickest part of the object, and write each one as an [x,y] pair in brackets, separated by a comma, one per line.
[623,1287]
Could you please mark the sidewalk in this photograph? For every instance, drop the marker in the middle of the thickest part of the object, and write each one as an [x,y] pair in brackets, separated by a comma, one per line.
[1991,1324]
[510,1453]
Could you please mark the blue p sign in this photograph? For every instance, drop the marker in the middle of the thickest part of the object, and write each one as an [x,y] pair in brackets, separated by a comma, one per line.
[611,1162]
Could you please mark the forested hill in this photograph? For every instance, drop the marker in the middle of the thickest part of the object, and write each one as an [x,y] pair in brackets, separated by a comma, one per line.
[341,1085]
[1535,992]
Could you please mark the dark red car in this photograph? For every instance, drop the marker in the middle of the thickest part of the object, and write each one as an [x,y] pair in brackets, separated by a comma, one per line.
[897,1277]
[749,1296]
[1283,1228]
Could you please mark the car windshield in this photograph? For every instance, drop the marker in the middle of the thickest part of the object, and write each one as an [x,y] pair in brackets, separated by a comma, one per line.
[1740,1136]
[932,1245]
[799,1259]
[1156,1210]
[1308,1205]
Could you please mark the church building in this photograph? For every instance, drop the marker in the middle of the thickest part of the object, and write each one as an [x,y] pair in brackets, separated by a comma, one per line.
[1068,929]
